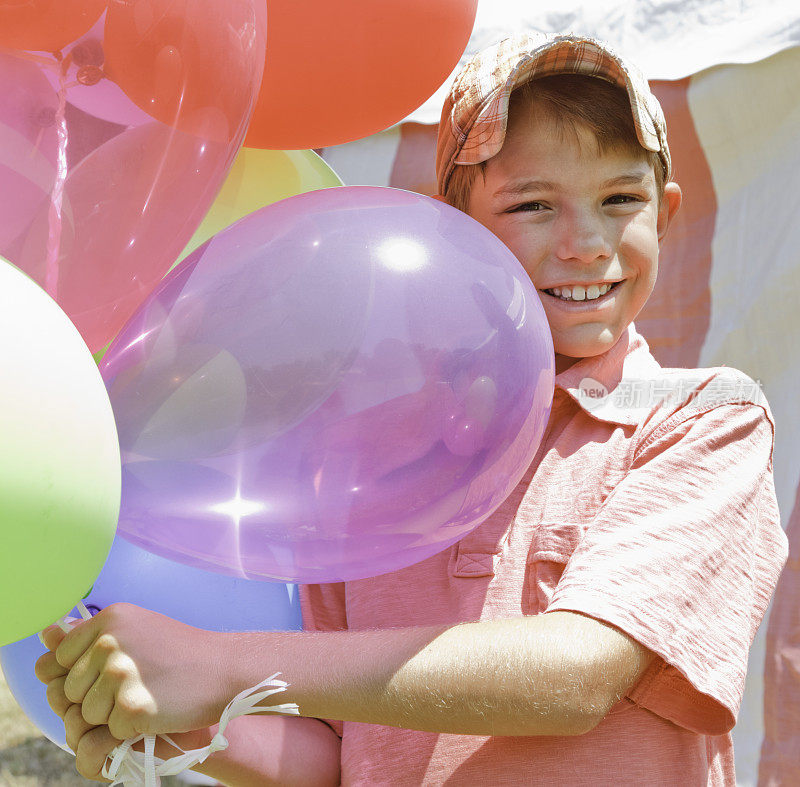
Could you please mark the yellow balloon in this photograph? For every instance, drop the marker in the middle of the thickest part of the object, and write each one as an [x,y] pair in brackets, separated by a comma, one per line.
[258,178]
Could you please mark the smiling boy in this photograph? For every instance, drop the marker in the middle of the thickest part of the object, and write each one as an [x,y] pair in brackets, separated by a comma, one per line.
[594,629]
[584,221]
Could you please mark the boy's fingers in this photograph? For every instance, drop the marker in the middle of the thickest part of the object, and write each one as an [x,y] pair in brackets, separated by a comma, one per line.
[85,671]
[56,698]
[92,752]
[122,723]
[47,668]
[51,637]
[75,726]
[75,642]
[98,701]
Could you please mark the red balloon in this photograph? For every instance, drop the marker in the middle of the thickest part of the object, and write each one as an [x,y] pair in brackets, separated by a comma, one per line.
[46,25]
[188,63]
[335,72]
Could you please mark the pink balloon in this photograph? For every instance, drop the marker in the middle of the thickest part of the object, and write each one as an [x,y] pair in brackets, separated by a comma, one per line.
[339,385]
[28,144]
[98,199]
[128,210]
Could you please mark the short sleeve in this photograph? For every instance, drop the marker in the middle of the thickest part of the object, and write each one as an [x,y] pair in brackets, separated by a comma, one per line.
[683,556]
[323,609]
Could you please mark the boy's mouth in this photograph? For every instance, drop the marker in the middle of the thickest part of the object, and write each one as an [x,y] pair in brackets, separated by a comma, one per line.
[568,297]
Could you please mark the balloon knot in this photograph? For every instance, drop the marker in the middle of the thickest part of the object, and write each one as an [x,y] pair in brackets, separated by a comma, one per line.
[219,742]
[89,75]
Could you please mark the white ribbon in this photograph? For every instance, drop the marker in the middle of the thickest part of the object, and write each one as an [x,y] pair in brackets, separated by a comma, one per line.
[66,623]
[143,769]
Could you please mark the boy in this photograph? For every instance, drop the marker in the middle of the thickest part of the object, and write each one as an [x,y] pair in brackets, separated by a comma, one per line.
[594,629]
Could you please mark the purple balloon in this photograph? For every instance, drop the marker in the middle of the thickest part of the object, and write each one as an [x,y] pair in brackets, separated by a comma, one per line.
[339,385]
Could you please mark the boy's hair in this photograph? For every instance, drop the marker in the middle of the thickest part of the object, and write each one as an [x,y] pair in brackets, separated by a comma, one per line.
[572,102]
[579,81]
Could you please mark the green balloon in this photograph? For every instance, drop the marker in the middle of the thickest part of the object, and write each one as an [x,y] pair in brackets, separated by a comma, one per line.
[98,356]
[59,461]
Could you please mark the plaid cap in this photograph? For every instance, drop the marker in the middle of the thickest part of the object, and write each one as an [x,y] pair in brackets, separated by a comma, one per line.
[475,113]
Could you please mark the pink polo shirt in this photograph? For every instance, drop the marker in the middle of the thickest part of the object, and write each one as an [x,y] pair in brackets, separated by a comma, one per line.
[650,505]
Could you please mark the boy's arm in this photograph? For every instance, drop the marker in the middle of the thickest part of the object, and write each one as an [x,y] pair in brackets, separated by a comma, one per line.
[552,674]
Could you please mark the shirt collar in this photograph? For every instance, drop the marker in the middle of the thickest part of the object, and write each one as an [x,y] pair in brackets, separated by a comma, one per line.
[599,384]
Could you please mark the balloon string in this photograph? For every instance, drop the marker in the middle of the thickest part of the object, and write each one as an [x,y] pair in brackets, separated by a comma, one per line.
[43,60]
[65,623]
[57,195]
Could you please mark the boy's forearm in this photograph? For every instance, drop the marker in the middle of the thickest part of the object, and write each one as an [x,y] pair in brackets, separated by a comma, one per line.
[276,750]
[527,676]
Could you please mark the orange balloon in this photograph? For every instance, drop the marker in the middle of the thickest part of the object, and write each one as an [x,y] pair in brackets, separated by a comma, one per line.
[46,25]
[335,72]
[189,63]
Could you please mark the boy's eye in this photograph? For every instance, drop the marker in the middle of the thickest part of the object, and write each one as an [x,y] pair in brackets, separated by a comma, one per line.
[622,199]
[527,207]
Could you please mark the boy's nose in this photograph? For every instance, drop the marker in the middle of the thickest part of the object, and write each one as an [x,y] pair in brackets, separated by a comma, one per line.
[582,237]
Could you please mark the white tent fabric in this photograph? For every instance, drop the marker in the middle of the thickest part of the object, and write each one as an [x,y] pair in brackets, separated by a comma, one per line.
[667,39]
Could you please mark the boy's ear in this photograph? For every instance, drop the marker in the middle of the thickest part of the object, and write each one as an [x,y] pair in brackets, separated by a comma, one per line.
[670,203]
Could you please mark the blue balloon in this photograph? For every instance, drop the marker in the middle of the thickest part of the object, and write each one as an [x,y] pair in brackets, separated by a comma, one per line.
[206,600]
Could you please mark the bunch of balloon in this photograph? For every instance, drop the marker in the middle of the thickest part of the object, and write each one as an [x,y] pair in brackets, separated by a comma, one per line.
[59,461]
[199,598]
[118,124]
[340,384]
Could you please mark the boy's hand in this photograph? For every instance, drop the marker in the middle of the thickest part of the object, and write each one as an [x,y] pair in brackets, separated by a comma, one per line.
[91,743]
[136,671]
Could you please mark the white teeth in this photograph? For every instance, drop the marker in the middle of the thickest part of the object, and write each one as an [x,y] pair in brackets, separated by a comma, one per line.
[579,293]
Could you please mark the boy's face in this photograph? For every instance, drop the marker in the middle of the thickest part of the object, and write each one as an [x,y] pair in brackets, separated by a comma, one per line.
[573,216]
